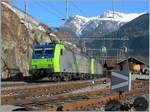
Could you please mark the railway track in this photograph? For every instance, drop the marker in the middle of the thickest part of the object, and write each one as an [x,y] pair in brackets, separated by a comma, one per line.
[54,97]
[12,95]
[23,85]
[100,101]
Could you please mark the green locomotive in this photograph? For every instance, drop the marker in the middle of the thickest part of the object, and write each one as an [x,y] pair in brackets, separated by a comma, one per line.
[58,62]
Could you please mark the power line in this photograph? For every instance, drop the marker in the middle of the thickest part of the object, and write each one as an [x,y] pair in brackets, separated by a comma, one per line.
[76,7]
[96,38]
[56,10]
[50,20]
[47,9]
[48,13]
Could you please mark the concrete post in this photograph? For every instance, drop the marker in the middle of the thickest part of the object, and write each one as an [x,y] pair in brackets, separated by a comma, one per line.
[130,79]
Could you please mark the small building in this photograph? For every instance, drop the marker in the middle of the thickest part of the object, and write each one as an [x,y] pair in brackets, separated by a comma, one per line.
[131,64]
[110,64]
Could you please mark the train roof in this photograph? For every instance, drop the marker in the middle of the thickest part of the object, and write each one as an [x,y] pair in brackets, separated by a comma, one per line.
[132,59]
[52,45]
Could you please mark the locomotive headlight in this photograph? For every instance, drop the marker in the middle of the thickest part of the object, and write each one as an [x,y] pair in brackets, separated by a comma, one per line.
[34,66]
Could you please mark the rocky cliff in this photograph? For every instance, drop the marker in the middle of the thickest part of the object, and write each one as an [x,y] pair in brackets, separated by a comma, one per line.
[20,32]
[18,38]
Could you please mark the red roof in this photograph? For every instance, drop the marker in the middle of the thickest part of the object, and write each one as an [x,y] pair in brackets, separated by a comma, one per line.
[110,64]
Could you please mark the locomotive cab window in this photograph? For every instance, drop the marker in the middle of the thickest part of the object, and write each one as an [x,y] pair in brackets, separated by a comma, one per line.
[49,51]
[38,52]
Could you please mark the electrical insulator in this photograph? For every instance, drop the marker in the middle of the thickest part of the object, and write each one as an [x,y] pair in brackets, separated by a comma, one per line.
[104,50]
[84,49]
[125,49]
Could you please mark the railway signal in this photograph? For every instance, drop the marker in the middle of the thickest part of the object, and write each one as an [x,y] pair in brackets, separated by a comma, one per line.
[120,81]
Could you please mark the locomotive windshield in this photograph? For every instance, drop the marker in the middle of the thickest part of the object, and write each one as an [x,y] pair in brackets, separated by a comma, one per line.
[49,51]
[38,51]
[43,51]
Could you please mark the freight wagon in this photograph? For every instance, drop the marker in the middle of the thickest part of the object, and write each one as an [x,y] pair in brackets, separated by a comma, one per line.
[58,62]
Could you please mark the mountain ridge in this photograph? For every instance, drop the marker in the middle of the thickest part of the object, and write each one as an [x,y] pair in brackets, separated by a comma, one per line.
[78,25]
[137,31]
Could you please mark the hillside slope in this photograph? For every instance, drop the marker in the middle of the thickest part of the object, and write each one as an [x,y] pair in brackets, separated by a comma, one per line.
[20,33]
[18,38]
[137,31]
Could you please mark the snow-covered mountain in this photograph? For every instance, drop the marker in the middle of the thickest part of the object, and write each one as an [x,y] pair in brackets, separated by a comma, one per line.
[104,23]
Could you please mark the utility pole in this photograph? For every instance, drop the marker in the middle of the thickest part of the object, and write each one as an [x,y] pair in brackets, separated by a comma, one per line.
[0,44]
[26,21]
[113,8]
[66,10]
[25,8]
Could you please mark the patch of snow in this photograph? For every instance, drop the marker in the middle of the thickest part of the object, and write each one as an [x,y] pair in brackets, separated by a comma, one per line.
[79,23]
[118,16]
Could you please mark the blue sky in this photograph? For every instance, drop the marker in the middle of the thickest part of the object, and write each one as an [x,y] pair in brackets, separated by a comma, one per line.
[52,11]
